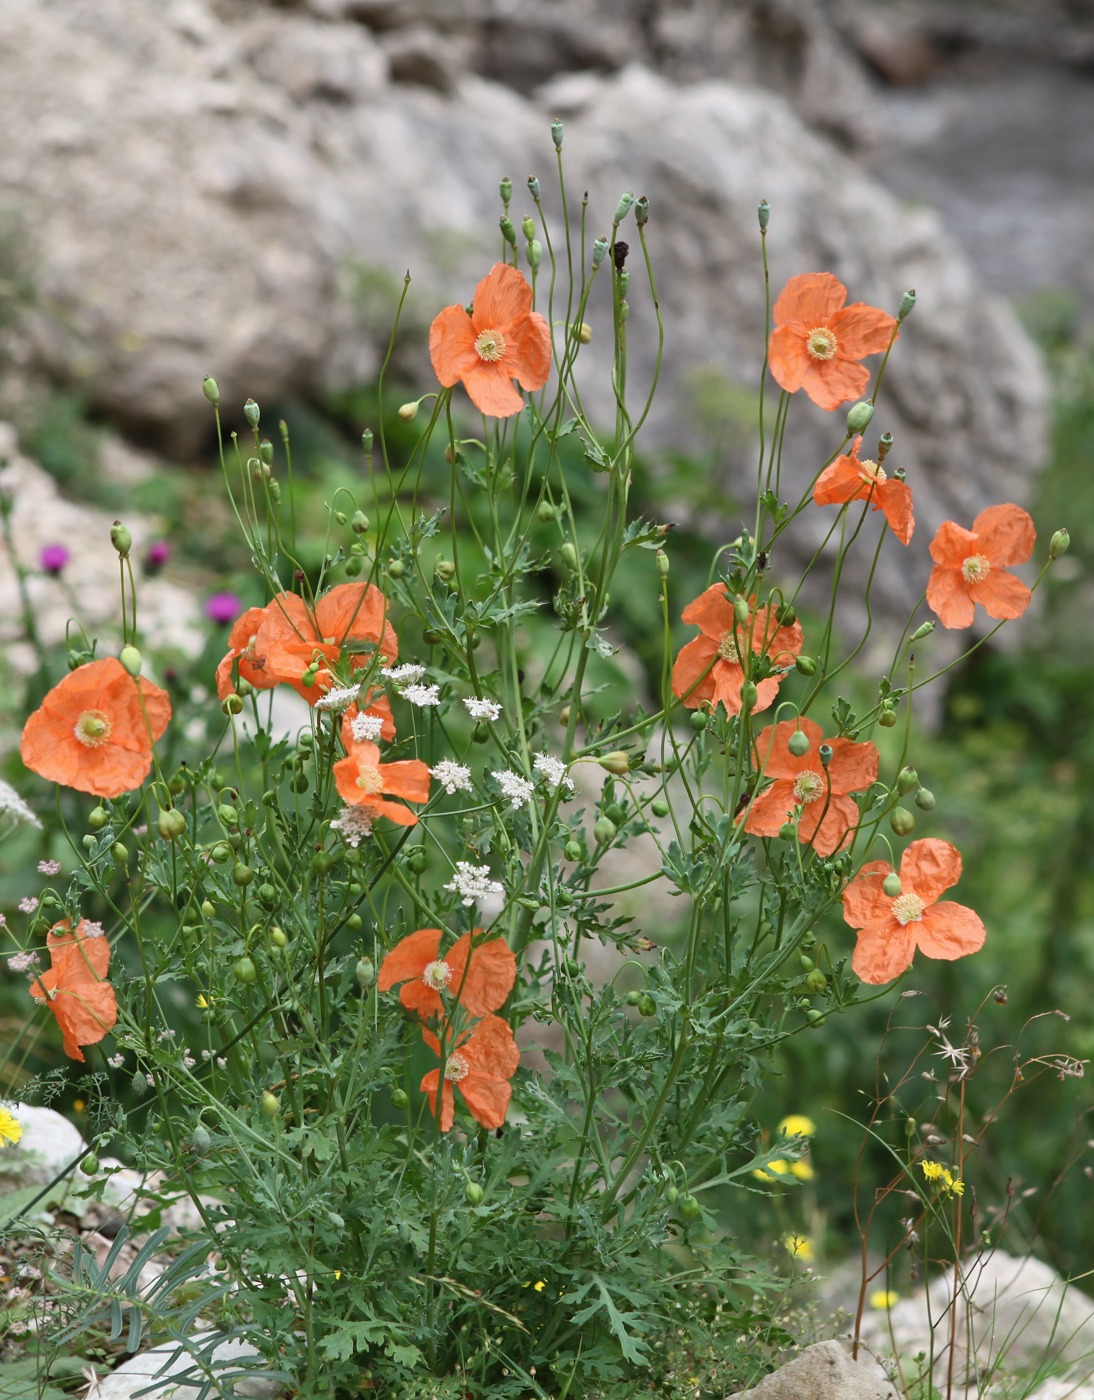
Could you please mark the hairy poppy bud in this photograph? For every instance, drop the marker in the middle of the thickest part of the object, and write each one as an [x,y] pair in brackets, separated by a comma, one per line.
[245,970]
[740,611]
[572,850]
[505,189]
[699,719]
[232,704]
[1059,544]
[171,824]
[130,658]
[763,213]
[242,874]
[584,333]
[396,569]
[121,539]
[365,973]
[859,415]
[924,800]
[533,187]
[556,133]
[90,1164]
[473,1193]
[907,305]
[816,982]
[906,780]
[659,807]
[788,831]
[749,695]
[359,523]
[211,389]
[270,1104]
[604,830]
[600,251]
[409,411]
[366,442]
[97,818]
[646,1004]
[400,1098]
[417,859]
[445,570]
[568,555]
[508,230]
[902,821]
[798,743]
[252,413]
[886,716]
[641,211]
[616,762]
[662,561]
[892,886]
[689,1208]
[534,253]
[805,665]
[622,209]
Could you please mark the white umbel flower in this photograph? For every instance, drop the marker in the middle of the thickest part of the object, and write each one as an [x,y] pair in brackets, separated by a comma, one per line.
[472,882]
[478,708]
[518,790]
[452,776]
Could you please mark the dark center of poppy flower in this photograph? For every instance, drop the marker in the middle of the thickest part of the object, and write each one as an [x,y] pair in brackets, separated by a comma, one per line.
[437,975]
[727,649]
[456,1067]
[490,346]
[93,729]
[821,343]
[976,568]
[808,786]
[369,779]
[908,909]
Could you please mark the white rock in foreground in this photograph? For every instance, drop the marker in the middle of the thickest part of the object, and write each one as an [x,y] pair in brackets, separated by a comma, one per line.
[825,1371]
[135,1375]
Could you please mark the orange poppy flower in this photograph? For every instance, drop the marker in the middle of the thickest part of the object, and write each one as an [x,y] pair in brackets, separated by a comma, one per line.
[891,927]
[95,730]
[970,566]
[818,342]
[480,1062]
[829,815]
[278,643]
[501,340]
[75,988]
[696,681]
[476,976]
[362,780]
[848,479]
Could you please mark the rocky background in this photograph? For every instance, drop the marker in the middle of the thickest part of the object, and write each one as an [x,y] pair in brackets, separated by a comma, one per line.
[237,187]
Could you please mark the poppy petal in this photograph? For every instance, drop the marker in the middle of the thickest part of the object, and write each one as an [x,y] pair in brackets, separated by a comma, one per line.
[490,389]
[864,901]
[502,298]
[883,951]
[930,867]
[948,598]
[452,345]
[1001,595]
[1005,534]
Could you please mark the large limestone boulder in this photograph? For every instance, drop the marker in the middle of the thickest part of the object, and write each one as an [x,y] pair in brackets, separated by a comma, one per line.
[825,1371]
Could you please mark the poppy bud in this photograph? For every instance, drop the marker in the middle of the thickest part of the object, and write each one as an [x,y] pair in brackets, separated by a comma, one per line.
[906,780]
[359,524]
[121,539]
[740,611]
[508,231]
[824,753]
[1059,544]
[534,252]
[886,716]
[622,209]
[859,415]
[572,850]
[119,852]
[252,413]
[749,695]
[323,862]
[806,963]
[208,909]
[400,1098]
[409,411]
[884,445]
[353,566]
[89,842]
[616,762]
[689,1208]
[816,982]
[90,1164]
[505,189]
[902,821]
[604,830]
[798,744]
[600,251]
[556,134]
[805,665]
[662,561]
[568,555]
[307,677]
[396,569]
[814,1017]
[584,333]
[924,630]
[171,824]
[245,970]
[365,973]
[445,570]
[787,615]
[417,860]
[659,807]
[270,1104]
[366,442]
[763,213]
[699,719]
[97,818]
[533,187]
[788,831]
[672,1194]
[232,704]
[907,305]
[473,1193]
[211,389]
[924,800]
[242,874]
[892,886]
[641,211]
[646,1005]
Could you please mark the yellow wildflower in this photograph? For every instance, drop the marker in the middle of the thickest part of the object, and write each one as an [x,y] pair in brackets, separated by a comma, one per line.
[11,1130]
[883,1299]
[797,1125]
[803,1169]
[773,1169]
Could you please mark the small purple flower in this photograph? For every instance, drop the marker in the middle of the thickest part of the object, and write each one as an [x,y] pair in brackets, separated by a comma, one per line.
[159,551]
[223,608]
[53,558]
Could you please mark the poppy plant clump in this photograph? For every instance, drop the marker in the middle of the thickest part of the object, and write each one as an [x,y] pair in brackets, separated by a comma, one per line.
[95,729]
[75,987]
[892,926]
[818,342]
[817,787]
[849,479]
[500,340]
[711,669]
[970,566]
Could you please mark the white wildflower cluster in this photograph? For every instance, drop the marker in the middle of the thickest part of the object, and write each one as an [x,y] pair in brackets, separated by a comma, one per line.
[13,804]
[22,962]
[472,882]
[92,929]
[29,904]
[553,772]
[49,867]
[366,728]
[353,824]
[422,695]
[116,1061]
[482,709]
[340,698]
[452,776]
[517,789]
[406,674]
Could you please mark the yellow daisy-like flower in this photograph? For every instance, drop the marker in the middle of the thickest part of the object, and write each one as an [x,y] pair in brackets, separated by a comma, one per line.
[799,1247]
[803,1170]
[949,1184]
[11,1130]
[932,1170]
[797,1125]
[883,1299]
[773,1169]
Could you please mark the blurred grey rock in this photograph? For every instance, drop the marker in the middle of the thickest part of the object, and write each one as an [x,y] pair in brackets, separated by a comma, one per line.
[160,1364]
[48,1148]
[824,1371]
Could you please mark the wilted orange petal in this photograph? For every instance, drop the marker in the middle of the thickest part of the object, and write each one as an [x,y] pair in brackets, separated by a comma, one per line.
[1005,534]
[949,931]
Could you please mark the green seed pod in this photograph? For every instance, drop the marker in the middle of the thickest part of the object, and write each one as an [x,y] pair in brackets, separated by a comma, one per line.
[689,1208]
[763,213]
[1059,544]
[672,1194]
[396,568]
[814,1017]
[473,1193]
[798,743]
[505,189]
[659,807]
[805,665]
[267,893]
[604,830]
[662,561]
[90,1164]
[533,187]
[265,454]
[211,389]
[633,998]
[528,227]
[923,630]
[400,1098]
[892,885]
[546,512]
[573,850]
[417,860]
[171,824]
[232,704]
[600,251]
[245,970]
[906,780]
[749,695]
[924,800]
[859,415]
[131,659]
[886,716]
[699,719]
[646,1005]
[907,305]
[119,852]
[97,818]
[270,1104]
[354,923]
[623,208]
[902,821]
[208,909]
[816,982]
[242,874]
[508,232]
[641,211]
[365,973]
[121,539]
[556,133]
